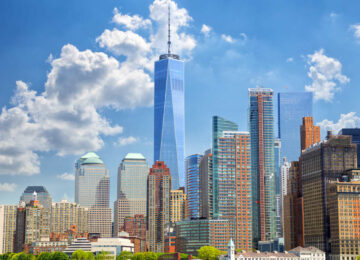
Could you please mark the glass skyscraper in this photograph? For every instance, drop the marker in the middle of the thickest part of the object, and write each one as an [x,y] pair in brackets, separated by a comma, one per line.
[292,107]
[43,195]
[193,185]
[261,126]
[219,125]
[169,124]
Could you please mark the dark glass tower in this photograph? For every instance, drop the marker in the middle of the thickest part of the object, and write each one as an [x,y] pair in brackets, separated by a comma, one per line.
[169,123]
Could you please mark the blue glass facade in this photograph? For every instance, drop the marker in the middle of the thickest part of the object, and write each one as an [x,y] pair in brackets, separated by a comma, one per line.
[355,133]
[169,124]
[292,107]
[193,185]
[219,125]
[261,124]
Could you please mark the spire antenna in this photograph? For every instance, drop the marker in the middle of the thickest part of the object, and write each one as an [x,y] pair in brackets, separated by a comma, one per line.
[169,31]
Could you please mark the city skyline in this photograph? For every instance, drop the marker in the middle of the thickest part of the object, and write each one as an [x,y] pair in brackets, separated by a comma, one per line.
[54,160]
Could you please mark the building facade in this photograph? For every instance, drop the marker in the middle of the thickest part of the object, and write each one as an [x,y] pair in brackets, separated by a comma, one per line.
[292,107]
[206,184]
[309,133]
[158,205]
[355,134]
[169,115]
[7,228]
[178,205]
[193,185]
[261,125]
[277,155]
[42,194]
[121,211]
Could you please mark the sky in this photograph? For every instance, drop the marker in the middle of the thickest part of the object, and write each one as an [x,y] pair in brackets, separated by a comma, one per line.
[77,76]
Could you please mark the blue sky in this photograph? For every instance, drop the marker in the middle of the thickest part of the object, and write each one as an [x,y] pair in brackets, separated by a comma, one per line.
[77,75]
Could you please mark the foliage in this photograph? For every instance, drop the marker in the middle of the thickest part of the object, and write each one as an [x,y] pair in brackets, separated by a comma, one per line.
[59,256]
[81,255]
[22,256]
[101,256]
[209,253]
[145,256]
[44,256]
[124,255]
[358,257]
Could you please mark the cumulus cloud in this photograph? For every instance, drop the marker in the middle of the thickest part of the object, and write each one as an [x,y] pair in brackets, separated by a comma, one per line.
[130,22]
[123,141]
[290,59]
[205,29]
[7,187]
[325,73]
[66,176]
[227,38]
[349,120]
[356,29]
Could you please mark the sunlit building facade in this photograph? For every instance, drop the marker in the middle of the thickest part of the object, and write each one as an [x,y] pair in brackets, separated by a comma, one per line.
[7,228]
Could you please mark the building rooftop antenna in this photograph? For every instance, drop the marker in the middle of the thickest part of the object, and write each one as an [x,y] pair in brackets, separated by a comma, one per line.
[169,32]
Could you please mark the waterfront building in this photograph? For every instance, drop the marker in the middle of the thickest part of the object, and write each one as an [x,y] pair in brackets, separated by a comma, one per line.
[42,194]
[355,134]
[308,253]
[158,205]
[309,133]
[178,205]
[7,228]
[261,126]
[206,184]
[193,185]
[292,107]
[79,244]
[112,246]
[45,245]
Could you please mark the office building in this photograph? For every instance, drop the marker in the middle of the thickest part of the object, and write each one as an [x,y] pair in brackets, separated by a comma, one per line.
[100,221]
[193,185]
[7,228]
[344,215]
[65,214]
[191,235]
[135,226]
[320,164]
[121,211]
[219,125]
[309,133]
[206,184]
[178,205]
[44,245]
[308,253]
[261,126]
[292,107]
[79,244]
[42,194]
[355,134]
[234,185]
[277,155]
[284,176]
[158,205]
[169,119]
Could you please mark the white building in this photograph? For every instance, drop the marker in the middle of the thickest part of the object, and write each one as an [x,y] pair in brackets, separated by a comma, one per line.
[308,253]
[112,246]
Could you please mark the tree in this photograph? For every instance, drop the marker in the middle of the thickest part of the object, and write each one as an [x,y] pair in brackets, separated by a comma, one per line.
[101,256]
[59,256]
[150,256]
[44,256]
[209,253]
[358,257]
[81,255]
[124,255]
[138,256]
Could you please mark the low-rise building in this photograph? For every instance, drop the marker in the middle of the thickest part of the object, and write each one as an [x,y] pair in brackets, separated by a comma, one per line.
[308,253]
[45,245]
[112,246]
[79,244]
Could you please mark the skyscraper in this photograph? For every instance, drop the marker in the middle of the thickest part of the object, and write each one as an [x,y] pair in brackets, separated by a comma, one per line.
[7,228]
[193,185]
[284,177]
[178,205]
[292,107]
[261,125]
[43,195]
[355,134]
[158,205]
[206,184]
[309,133]
[277,149]
[169,123]
[219,125]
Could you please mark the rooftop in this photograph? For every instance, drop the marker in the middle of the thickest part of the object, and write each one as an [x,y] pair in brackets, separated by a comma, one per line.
[135,156]
[91,158]
[37,189]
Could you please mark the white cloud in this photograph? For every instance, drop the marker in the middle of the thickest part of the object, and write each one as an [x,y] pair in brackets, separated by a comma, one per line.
[290,59]
[130,22]
[349,120]
[333,16]
[244,36]
[227,38]
[356,29]
[123,141]
[205,29]
[7,187]
[66,176]
[324,72]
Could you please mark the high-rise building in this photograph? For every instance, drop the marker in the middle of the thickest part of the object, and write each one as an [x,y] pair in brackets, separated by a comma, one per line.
[32,224]
[284,176]
[292,107]
[277,155]
[42,195]
[219,125]
[7,228]
[309,133]
[320,164]
[65,214]
[92,190]
[169,119]
[178,205]
[131,189]
[158,205]
[355,134]
[193,185]
[136,228]
[206,184]
[261,126]
[234,185]
[344,217]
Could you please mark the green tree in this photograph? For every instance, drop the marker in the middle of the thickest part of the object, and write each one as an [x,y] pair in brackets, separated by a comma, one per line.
[101,256]
[44,256]
[124,255]
[209,253]
[150,256]
[81,255]
[358,257]
[59,256]
[138,256]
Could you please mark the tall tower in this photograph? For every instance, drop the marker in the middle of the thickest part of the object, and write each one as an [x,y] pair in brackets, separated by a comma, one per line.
[261,125]
[169,123]
[193,185]
[309,133]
